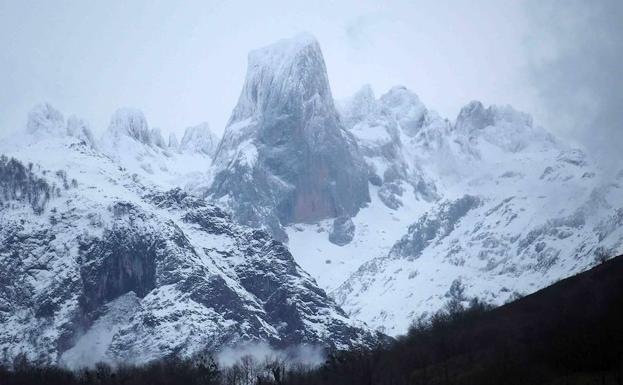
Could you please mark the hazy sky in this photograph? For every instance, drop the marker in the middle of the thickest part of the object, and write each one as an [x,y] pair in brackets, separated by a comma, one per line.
[183,62]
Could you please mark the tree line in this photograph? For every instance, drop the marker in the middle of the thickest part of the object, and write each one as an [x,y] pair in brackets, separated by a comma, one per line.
[19,183]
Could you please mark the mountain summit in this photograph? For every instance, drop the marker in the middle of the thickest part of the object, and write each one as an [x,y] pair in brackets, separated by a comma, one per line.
[284,148]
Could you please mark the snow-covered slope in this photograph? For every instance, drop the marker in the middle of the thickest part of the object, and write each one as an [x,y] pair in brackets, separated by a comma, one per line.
[139,150]
[99,260]
[492,204]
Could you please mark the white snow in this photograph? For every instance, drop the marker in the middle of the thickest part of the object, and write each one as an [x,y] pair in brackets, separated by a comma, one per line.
[545,210]
[377,228]
[281,53]
[531,186]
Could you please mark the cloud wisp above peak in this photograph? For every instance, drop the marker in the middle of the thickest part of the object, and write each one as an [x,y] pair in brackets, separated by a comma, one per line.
[576,54]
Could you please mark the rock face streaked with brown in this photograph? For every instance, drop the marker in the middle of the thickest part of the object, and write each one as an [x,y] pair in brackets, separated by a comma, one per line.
[285,156]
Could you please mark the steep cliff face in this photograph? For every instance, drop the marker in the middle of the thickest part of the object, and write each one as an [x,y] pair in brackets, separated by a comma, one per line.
[284,148]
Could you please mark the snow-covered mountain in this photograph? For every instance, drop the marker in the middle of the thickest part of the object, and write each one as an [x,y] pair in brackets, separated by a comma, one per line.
[491,204]
[99,260]
[285,157]
[126,246]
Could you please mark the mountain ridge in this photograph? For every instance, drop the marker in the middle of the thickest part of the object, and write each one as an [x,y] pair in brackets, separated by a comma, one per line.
[366,211]
[102,263]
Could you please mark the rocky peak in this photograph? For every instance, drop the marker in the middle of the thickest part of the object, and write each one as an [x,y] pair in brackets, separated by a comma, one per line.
[378,126]
[282,76]
[130,122]
[474,116]
[45,119]
[199,139]
[284,147]
[502,126]
[405,106]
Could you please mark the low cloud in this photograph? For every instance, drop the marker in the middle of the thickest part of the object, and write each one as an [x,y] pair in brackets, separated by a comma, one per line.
[576,51]
[306,355]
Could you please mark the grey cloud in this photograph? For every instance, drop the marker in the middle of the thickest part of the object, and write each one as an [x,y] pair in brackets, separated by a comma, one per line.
[576,49]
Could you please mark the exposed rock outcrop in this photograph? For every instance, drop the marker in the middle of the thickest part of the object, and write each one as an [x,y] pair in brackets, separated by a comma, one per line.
[284,148]
[342,232]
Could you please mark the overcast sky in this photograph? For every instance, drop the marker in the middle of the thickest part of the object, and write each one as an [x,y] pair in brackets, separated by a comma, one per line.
[183,62]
